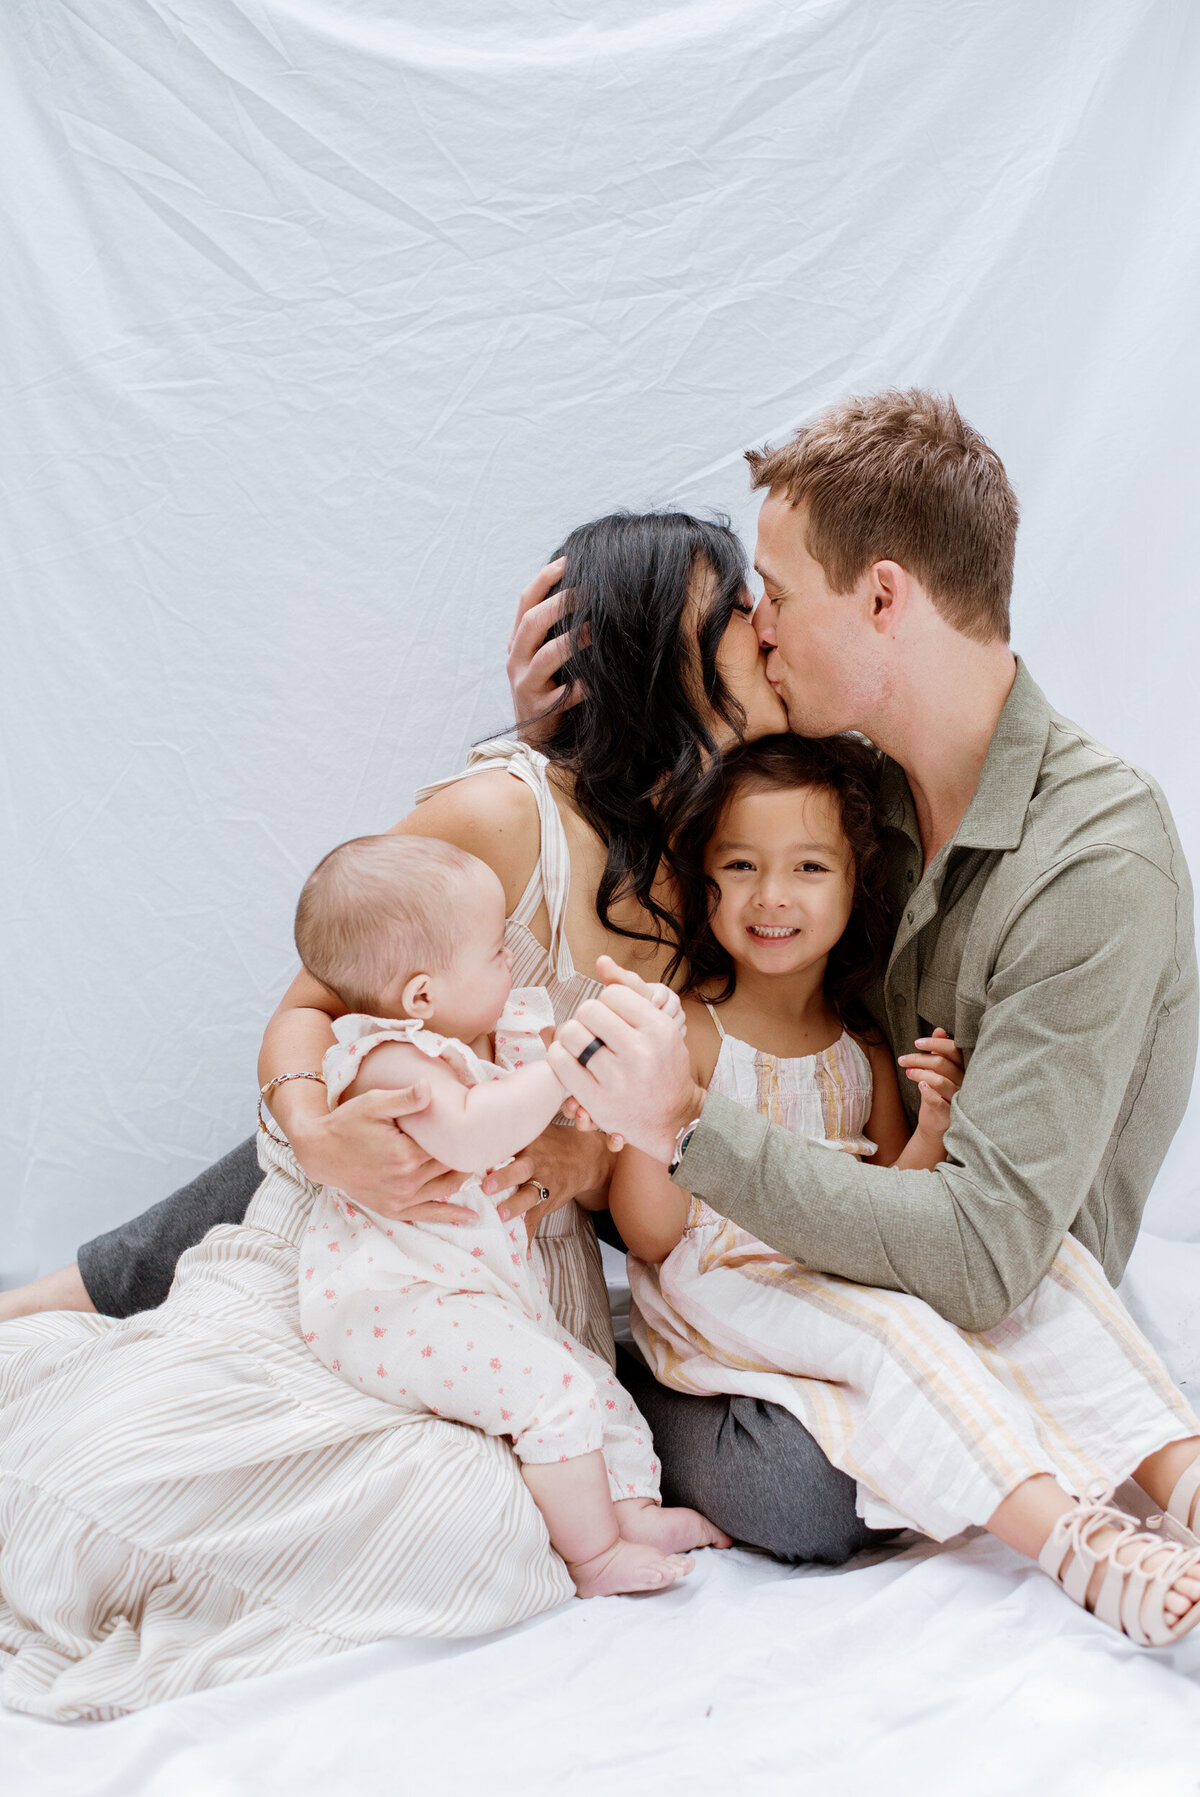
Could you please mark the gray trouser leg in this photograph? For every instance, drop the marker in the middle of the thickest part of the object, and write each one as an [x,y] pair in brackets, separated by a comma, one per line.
[751,1468]
[131,1268]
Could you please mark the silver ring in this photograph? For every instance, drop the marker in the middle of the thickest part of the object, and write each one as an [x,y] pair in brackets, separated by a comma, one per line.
[542,1191]
[593,1047]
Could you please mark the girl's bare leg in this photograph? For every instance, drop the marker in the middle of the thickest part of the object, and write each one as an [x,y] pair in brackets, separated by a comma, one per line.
[1025,1518]
[573,1497]
[63,1290]
[1160,1472]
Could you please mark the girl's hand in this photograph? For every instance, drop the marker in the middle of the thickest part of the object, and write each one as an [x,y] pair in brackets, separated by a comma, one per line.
[361,1148]
[534,660]
[937,1068]
[933,1119]
[937,1063]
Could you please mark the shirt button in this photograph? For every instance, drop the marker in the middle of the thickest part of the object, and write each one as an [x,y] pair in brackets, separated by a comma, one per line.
[910,917]
[910,876]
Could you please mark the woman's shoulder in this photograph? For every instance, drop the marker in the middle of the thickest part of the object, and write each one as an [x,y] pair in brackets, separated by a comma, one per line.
[492,814]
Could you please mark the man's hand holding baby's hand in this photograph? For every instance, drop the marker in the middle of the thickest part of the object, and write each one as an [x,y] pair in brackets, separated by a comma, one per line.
[664,1000]
[638,1085]
[936,1065]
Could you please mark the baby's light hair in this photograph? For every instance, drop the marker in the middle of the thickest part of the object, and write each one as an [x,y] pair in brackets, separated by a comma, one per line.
[379,909]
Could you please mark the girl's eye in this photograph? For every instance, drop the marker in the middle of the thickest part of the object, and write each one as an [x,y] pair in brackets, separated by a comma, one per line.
[812,867]
[738,867]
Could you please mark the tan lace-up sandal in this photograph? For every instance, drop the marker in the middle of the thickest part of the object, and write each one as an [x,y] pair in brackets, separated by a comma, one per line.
[1130,1598]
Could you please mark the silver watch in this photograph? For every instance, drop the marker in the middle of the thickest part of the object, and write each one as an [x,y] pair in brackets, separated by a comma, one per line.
[681,1143]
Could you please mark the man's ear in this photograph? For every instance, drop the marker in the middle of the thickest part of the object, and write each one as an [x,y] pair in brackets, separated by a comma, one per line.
[416,1000]
[888,590]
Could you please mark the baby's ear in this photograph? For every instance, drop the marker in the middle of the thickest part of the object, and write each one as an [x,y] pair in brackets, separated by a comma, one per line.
[416,1000]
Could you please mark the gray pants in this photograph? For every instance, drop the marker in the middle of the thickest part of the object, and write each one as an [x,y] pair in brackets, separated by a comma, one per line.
[749,1466]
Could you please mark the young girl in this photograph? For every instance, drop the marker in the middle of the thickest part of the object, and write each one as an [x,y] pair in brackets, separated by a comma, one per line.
[454,1319]
[1021,1429]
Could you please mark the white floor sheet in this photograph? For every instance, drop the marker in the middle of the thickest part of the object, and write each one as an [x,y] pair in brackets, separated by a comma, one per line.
[926,1672]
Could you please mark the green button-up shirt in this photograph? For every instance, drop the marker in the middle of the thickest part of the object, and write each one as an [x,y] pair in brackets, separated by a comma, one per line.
[1052,937]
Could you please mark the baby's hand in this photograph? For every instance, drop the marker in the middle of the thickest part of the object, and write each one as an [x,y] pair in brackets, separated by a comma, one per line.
[668,1002]
[580,1118]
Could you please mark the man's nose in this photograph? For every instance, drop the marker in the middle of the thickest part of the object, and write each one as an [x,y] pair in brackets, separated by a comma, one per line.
[764,623]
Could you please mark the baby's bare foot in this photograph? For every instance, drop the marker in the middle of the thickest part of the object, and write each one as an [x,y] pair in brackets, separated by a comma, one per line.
[671,1531]
[627,1566]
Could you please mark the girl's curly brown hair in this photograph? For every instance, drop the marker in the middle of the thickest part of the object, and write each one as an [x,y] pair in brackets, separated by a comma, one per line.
[850,770]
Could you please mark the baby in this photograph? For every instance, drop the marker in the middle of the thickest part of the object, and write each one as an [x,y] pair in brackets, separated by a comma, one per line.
[454,1320]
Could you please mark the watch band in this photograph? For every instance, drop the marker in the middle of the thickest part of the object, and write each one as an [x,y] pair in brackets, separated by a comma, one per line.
[681,1143]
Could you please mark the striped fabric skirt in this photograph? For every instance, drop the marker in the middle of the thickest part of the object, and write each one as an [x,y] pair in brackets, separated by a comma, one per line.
[189,1497]
[936,1424]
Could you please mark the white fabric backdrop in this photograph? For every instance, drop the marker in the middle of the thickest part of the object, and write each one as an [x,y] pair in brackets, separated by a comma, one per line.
[325,319]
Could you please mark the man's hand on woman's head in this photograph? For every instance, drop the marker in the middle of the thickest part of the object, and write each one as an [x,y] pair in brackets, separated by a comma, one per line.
[361,1148]
[640,1086]
[534,659]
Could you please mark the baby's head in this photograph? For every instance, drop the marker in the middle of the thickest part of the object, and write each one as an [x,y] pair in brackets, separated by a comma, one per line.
[405,926]
[782,865]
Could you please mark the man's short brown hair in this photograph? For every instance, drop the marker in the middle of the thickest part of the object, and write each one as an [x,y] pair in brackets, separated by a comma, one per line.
[901,476]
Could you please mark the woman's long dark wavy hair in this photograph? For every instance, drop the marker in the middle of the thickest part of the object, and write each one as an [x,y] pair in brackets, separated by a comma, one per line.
[847,768]
[639,739]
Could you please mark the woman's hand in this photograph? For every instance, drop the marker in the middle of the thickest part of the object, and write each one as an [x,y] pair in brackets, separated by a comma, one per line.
[568,1163]
[361,1148]
[533,661]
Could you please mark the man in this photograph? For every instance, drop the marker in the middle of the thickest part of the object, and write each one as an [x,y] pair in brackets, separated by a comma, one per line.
[1044,902]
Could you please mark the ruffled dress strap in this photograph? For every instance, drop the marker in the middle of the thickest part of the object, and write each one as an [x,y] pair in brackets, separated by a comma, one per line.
[519,1029]
[550,881]
[356,1035]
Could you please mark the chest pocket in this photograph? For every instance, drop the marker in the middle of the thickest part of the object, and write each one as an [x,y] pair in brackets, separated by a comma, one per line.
[935,1004]
[942,1005]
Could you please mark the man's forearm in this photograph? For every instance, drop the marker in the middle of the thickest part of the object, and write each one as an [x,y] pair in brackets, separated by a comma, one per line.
[929,1233]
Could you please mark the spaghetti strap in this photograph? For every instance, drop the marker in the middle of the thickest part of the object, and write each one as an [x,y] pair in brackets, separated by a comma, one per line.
[714,1017]
[550,881]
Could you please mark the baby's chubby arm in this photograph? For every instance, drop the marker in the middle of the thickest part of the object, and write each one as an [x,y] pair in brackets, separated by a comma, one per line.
[470,1128]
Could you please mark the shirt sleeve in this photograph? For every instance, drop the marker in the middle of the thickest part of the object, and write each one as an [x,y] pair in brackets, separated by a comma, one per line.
[1080,971]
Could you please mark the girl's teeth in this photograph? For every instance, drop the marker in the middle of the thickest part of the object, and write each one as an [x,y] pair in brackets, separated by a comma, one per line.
[771,935]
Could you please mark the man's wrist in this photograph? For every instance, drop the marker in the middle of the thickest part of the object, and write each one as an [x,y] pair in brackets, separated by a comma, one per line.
[685,1119]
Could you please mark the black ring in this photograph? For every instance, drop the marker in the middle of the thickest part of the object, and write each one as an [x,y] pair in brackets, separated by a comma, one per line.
[593,1047]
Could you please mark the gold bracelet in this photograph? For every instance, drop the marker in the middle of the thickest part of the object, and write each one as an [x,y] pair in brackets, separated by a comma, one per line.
[280,1080]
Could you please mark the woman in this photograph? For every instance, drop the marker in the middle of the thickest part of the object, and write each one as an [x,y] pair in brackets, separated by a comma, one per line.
[657,667]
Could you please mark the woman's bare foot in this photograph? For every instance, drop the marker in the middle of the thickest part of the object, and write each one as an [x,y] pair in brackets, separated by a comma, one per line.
[671,1531]
[627,1566]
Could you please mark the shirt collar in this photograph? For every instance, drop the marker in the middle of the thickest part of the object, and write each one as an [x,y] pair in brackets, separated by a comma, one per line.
[995,818]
